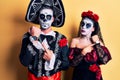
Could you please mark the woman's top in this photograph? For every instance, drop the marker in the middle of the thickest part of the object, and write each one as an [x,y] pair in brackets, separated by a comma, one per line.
[87,66]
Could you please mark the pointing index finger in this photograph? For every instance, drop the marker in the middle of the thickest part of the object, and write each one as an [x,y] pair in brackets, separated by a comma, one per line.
[45,48]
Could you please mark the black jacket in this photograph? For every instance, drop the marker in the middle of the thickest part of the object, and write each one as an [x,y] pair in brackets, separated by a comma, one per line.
[31,57]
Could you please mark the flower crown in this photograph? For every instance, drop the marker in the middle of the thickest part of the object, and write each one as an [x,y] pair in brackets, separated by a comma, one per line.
[90,15]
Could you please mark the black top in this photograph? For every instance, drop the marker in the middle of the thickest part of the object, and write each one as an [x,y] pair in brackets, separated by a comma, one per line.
[87,67]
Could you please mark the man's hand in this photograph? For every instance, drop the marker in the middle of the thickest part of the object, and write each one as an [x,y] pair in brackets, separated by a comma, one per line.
[35,31]
[47,54]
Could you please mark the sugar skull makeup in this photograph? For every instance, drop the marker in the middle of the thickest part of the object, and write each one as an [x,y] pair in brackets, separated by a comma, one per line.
[46,18]
[87,26]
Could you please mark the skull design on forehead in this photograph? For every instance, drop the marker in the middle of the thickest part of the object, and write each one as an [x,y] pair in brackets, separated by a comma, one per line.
[46,18]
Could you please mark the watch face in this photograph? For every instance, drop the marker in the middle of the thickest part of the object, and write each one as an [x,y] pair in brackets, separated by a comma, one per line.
[97,42]
[35,38]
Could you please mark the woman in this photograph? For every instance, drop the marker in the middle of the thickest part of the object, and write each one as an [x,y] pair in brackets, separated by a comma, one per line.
[88,51]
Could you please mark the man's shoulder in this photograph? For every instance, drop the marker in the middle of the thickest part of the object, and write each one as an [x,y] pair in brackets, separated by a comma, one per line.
[26,35]
[60,34]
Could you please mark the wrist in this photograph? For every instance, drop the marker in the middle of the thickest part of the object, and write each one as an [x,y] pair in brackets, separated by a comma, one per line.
[35,38]
[97,42]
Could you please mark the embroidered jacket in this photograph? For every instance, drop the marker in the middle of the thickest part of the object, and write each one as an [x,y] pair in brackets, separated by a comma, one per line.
[32,57]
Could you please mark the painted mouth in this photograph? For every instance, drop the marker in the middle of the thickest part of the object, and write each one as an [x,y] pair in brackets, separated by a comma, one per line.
[82,31]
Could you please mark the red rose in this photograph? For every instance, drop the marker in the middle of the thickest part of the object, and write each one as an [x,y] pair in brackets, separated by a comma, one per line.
[96,17]
[91,15]
[62,42]
[94,68]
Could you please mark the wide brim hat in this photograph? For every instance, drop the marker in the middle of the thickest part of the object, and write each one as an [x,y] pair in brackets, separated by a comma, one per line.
[32,14]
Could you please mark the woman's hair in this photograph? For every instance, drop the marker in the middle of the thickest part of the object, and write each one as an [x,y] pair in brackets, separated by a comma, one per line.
[94,18]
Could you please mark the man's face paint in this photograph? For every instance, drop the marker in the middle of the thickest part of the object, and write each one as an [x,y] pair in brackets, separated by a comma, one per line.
[46,18]
[87,27]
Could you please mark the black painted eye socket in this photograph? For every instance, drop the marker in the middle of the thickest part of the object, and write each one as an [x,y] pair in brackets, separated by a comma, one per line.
[48,17]
[42,16]
[82,24]
[87,25]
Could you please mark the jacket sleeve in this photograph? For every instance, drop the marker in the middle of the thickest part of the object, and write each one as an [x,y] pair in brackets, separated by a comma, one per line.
[64,59]
[103,54]
[27,50]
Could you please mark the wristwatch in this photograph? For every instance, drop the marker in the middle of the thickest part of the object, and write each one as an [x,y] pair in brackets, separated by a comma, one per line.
[35,38]
[97,42]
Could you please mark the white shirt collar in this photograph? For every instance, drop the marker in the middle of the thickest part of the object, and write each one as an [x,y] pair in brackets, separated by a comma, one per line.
[52,33]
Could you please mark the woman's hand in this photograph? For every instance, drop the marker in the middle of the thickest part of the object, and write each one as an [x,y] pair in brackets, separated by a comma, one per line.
[87,49]
[95,38]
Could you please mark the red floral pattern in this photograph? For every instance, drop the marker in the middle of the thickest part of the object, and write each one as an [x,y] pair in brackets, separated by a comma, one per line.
[91,57]
[62,42]
[93,68]
[91,15]
[97,70]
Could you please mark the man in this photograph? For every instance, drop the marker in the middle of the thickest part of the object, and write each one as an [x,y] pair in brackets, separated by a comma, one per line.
[44,51]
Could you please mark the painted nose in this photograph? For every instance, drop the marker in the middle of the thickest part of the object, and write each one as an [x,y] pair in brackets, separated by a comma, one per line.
[44,20]
[84,26]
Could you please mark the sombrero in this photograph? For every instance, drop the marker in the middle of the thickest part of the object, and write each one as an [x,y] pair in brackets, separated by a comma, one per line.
[35,5]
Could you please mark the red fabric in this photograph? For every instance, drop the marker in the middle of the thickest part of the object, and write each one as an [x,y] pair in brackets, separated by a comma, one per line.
[56,76]
[93,68]
[62,42]
[107,52]
[71,53]
[97,70]
[91,57]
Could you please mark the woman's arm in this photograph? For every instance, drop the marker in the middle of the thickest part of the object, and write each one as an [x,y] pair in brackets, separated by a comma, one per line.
[75,55]
[103,54]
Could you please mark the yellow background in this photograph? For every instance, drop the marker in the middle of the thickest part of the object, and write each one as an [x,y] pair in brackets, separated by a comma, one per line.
[13,26]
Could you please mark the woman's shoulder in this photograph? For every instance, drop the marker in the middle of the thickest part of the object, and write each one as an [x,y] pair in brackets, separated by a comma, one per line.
[74,42]
[77,40]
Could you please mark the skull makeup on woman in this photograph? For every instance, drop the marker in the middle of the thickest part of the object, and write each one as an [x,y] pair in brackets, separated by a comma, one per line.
[86,27]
